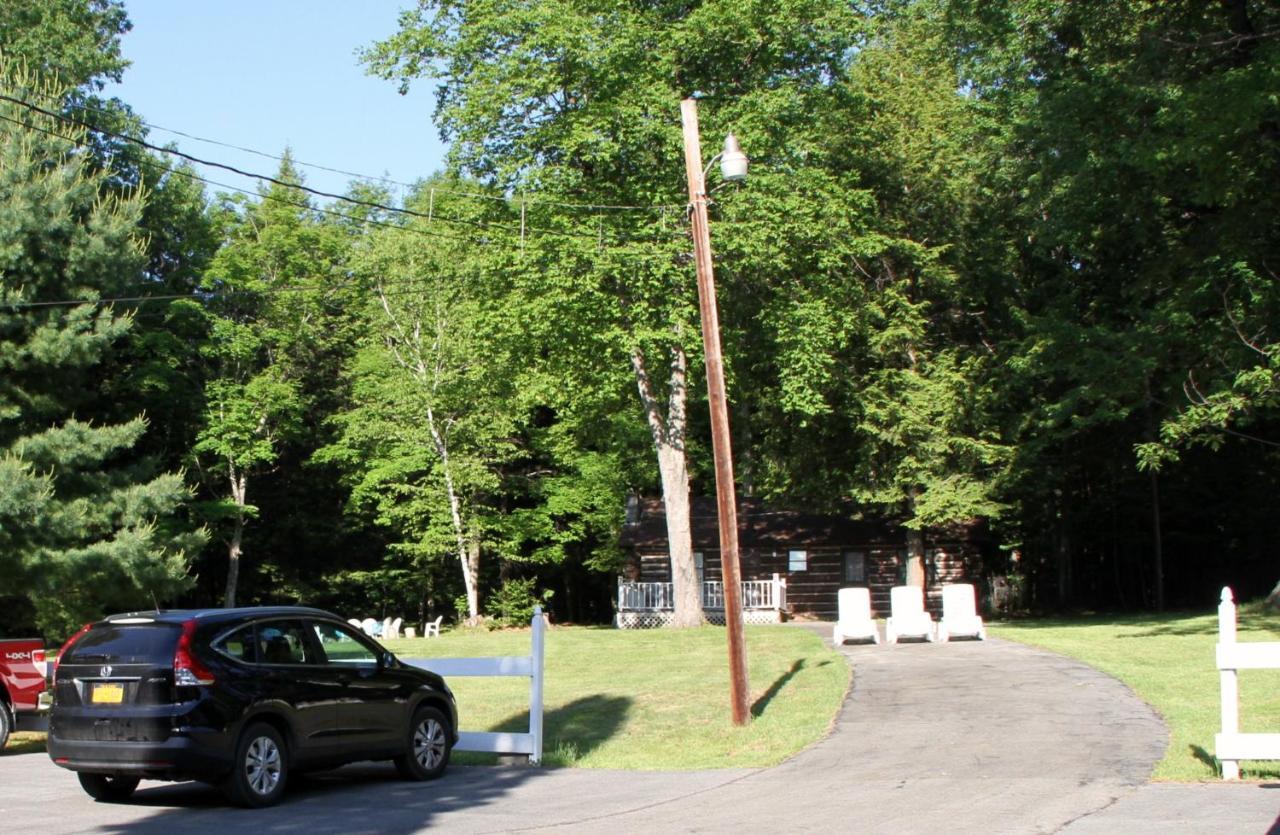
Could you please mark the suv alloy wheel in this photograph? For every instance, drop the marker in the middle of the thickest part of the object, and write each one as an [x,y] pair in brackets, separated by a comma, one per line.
[261,767]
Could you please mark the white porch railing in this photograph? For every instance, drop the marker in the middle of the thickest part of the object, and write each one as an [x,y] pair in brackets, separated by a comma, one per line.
[1231,746]
[658,597]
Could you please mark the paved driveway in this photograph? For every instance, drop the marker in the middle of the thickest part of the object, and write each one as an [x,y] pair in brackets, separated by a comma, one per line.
[959,737]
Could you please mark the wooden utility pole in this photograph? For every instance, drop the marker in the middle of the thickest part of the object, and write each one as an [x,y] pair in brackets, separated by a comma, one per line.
[726,501]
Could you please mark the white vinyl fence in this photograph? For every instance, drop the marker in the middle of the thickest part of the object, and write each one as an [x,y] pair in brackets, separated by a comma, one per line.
[1231,746]
[530,666]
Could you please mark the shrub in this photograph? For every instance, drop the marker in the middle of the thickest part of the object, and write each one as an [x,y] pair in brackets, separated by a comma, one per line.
[512,605]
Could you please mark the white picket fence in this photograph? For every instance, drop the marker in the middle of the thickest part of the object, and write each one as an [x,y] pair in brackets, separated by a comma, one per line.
[1231,746]
[530,666]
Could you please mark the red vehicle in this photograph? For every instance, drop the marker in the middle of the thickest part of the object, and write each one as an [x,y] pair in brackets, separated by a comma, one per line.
[24,701]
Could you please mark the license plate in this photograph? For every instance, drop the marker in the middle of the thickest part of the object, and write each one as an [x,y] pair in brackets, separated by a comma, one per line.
[108,694]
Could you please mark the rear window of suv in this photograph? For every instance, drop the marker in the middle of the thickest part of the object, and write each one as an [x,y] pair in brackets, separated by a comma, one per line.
[126,644]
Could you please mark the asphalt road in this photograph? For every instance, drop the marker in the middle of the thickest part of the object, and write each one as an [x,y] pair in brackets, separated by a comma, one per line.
[963,737]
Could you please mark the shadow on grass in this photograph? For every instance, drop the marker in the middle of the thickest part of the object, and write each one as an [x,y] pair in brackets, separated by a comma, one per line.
[1251,616]
[1175,629]
[1206,758]
[570,732]
[1253,770]
[761,703]
[1148,625]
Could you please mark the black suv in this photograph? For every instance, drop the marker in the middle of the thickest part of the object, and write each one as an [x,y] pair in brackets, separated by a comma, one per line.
[239,697]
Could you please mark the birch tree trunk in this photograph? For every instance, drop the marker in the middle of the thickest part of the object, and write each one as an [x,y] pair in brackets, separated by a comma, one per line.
[472,571]
[468,553]
[429,375]
[239,494]
[669,443]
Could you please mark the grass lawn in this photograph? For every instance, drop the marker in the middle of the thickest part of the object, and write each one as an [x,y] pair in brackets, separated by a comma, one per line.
[26,742]
[651,699]
[641,699]
[1168,660]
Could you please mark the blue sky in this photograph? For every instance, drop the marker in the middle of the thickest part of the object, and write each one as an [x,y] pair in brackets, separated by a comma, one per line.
[264,74]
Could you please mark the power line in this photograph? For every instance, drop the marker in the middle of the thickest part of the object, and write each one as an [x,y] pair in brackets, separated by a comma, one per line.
[523,200]
[407,286]
[208,295]
[424,232]
[368,204]
[201,295]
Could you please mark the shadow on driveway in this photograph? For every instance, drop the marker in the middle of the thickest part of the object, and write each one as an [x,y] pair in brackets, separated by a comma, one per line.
[370,797]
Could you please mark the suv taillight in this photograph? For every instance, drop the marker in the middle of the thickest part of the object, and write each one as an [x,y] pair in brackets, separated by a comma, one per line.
[66,646]
[39,660]
[187,669]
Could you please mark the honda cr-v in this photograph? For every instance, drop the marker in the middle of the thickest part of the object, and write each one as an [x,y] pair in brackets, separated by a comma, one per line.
[240,698]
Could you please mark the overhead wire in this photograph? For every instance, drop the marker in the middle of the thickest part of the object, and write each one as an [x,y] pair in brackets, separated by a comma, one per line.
[266,178]
[206,295]
[624,247]
[430,217]
[390,180]
[428,233]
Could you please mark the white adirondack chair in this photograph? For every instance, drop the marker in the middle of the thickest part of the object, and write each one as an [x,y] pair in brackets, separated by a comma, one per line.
[432,627]
[959,613]
[908,618]
[369,626]
[391,627]
[356,623]
[855,623]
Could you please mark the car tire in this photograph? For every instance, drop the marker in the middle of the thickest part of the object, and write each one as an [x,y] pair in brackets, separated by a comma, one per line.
[260,769]
[108,788]
[6,724]
[428,745]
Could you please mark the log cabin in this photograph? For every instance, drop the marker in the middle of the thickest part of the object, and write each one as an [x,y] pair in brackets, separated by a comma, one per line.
[792,562]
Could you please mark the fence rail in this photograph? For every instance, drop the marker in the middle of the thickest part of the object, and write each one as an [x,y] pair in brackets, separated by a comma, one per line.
[1231,746]
[530,666]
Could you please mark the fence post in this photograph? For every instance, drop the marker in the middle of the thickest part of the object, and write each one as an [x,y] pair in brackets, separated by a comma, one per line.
[1229,680]
[531,666]
[535,684]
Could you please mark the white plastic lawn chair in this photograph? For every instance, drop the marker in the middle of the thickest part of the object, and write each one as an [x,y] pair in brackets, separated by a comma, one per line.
[432,627]
[369,626]
[959,613]
[908,618]
[855,623]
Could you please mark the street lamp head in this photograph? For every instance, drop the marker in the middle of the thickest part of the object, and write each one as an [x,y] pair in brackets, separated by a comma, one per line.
[733,163]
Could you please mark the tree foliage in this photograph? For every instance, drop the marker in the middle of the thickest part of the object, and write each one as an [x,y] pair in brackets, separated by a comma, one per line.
[85,524]
[1008,265]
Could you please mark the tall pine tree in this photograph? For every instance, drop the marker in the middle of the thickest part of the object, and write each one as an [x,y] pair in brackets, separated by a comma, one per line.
[86,525]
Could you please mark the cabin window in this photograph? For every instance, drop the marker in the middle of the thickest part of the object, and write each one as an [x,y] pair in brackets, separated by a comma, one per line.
[798,561]
[855,567]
